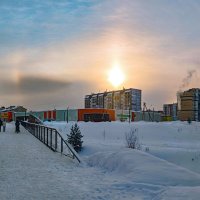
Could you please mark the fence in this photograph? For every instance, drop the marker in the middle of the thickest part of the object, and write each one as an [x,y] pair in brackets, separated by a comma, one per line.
[52,138]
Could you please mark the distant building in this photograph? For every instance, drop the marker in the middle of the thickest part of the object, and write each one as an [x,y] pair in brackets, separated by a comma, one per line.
[170,111]
[189,104]
[87,101]
[9,113]
[108,100]
[126,99]
[14,109]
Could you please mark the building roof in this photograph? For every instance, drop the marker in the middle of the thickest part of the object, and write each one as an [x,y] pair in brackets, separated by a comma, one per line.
[11,108]
[113,91]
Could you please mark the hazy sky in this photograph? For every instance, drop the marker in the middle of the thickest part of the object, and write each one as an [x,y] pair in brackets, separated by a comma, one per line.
[53,52]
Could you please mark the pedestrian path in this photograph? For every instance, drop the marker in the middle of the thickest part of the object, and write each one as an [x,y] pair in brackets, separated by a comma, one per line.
[28,169]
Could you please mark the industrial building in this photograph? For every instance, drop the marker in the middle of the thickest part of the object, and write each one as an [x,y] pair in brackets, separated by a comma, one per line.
[189,105]
[126,99]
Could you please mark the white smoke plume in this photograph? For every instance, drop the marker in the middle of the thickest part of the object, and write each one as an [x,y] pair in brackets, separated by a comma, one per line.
[187,80]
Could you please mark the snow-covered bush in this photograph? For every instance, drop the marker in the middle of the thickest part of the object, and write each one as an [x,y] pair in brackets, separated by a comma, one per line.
[132,140]
[74,138]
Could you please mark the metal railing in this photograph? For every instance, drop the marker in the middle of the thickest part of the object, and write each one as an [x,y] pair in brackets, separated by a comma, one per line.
[51,138]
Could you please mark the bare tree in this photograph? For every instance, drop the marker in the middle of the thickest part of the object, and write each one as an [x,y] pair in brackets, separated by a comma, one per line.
[132,140]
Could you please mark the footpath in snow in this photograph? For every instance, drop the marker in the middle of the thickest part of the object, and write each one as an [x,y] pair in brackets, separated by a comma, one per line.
[29,170]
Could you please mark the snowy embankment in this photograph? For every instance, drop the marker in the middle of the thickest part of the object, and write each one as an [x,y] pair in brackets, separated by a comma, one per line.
[170,178]
[144,168]
[176,142]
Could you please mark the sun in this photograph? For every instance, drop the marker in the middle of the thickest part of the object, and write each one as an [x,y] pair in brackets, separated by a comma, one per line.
[116,76]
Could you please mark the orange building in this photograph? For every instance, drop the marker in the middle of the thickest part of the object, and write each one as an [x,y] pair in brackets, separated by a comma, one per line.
[96,115]
[8,116]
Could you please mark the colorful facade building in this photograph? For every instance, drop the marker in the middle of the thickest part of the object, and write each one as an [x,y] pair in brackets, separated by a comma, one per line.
[8,113]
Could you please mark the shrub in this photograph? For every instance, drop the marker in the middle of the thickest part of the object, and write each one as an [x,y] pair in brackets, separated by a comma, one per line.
[132,139]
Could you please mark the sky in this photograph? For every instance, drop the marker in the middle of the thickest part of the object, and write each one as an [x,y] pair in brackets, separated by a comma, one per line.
[53,53]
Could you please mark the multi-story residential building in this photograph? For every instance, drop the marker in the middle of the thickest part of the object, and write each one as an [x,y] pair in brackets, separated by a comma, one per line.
[108,100]
[94,101]
[126,99]
[117,99]
[189,105]
[170,110]
[87,101]
[101,100]
[132,98]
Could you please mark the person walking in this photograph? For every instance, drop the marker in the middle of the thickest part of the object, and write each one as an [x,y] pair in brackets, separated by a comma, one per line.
[1,123]
[17,123]
[4,125]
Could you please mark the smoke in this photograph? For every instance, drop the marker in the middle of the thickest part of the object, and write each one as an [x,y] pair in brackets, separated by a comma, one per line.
[187,80]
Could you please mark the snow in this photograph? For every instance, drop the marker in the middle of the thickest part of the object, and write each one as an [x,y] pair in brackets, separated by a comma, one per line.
[169,170]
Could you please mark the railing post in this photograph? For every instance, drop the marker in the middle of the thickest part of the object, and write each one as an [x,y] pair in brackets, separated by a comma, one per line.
[38,128]
[44,134]
[61,145]
[41,138]
[47,136]
[39,133]
[51,138]
[34,130]
[56,139]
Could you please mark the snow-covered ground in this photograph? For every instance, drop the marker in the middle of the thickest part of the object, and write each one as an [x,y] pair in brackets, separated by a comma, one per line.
[168,170]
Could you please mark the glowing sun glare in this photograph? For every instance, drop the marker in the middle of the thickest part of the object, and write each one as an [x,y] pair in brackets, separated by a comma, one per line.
[116,76]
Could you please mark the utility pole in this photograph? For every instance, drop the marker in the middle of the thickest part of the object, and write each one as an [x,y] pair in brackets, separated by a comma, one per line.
[143,112]
[148,111]
[67,114]
[153,114]
[129,111]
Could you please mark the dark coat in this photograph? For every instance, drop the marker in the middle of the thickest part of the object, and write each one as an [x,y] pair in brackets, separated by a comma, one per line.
[17,123]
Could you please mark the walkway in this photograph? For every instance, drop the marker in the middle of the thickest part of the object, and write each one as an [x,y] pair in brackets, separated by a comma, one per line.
[29,170]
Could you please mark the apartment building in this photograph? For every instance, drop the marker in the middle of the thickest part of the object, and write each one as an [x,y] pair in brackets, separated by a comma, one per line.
[126,99]
[189,105]
[170,111]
